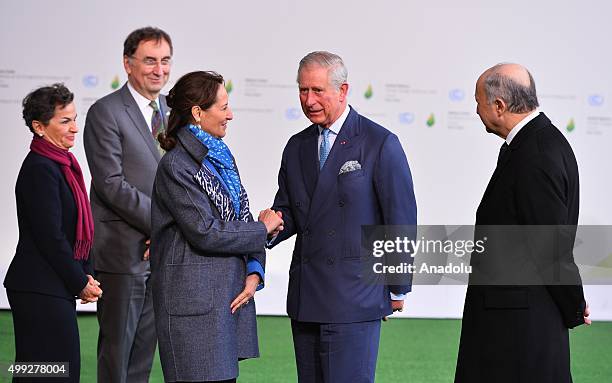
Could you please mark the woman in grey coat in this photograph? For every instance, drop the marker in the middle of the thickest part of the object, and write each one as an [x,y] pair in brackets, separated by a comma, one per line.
[207,254]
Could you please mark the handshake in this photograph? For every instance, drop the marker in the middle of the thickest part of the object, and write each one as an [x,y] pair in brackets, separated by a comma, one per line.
[273,221]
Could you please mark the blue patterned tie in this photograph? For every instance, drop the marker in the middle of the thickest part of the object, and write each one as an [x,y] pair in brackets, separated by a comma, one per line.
[325,148]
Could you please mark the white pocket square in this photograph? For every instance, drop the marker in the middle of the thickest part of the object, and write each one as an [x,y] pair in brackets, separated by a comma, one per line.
[350,166]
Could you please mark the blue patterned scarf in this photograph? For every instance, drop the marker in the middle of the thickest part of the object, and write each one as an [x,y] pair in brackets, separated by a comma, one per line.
[223,161]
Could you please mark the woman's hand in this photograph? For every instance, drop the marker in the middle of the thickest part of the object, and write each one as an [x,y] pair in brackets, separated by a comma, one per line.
[252,281]
[91,292]
[273,220]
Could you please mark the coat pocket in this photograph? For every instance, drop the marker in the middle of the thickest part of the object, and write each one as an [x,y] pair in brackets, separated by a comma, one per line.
[189,289]
[354,174]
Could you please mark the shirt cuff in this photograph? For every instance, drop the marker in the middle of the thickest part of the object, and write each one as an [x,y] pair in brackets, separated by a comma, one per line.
[397,297]
[254,267]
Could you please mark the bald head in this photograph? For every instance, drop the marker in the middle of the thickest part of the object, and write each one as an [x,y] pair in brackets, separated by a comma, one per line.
[511,83]
[515,72]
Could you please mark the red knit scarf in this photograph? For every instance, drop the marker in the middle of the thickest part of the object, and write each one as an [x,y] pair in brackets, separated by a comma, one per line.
[74,177]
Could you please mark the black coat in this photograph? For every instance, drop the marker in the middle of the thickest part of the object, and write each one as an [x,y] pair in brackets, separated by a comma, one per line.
[46,212]
[519,333]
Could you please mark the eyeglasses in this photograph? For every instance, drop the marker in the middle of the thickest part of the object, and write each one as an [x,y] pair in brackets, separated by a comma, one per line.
[151,62]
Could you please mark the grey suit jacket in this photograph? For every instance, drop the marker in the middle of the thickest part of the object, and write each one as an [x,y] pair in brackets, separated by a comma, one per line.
[198,266]
[122,157]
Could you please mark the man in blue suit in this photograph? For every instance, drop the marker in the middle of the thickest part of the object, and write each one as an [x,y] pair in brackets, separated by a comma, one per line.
[340,173]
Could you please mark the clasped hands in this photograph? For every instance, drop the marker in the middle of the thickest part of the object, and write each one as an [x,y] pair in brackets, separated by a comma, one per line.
[91,292]
[273,221]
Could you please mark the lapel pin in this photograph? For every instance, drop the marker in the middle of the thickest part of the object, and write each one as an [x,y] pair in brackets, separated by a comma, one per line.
[343,142]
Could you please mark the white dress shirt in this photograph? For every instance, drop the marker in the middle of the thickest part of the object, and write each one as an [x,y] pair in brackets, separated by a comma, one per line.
[334,130]
[143,105]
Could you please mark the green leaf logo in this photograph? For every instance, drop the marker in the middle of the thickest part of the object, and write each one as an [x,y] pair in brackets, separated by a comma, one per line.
[229,86]
[431,121]
[570,125]
[115,84]
[368,93]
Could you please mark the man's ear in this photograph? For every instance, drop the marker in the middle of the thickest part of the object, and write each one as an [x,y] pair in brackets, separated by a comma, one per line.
[343,91]
[500,106]
[126,65]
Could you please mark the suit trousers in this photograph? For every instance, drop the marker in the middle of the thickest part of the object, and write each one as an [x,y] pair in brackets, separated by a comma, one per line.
[46,330]
[336,352]
[127,338]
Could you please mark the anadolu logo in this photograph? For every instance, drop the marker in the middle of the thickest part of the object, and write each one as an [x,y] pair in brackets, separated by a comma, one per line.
[368,93]
[229,86]
[570,126]
[406,118]
[292,113]
[456,95]
[90,81]
[115,84]
[596,100]
[431,120]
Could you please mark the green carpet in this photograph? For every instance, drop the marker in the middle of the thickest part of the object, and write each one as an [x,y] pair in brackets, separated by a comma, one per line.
[412,350]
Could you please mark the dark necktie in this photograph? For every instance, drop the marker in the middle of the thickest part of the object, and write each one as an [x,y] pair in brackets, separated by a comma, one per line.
[157,124]
[156,119]
[502,151]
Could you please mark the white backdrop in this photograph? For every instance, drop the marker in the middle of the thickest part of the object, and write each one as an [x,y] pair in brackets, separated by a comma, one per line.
[409,63]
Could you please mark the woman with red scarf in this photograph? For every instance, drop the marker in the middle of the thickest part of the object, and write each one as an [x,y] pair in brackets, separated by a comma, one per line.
[51,266]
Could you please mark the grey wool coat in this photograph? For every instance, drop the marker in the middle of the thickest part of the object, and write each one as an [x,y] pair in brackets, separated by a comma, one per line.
[198,266]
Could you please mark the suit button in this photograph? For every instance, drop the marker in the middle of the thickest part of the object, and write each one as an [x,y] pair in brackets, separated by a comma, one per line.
[332,232]
[341,203]
[306,232]
[305,260]
[330,261]
[298,204]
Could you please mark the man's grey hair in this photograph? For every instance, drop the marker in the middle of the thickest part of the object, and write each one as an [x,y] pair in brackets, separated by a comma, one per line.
[518,97]
[338,74]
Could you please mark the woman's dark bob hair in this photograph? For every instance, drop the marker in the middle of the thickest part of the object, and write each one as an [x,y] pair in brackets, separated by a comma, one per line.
[40,104]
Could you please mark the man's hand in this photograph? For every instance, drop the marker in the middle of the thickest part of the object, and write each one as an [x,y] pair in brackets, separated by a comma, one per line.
[279,228]
[587,312]
[91,292]
[145,257]
[396,306]
[273,221]
[252,281]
